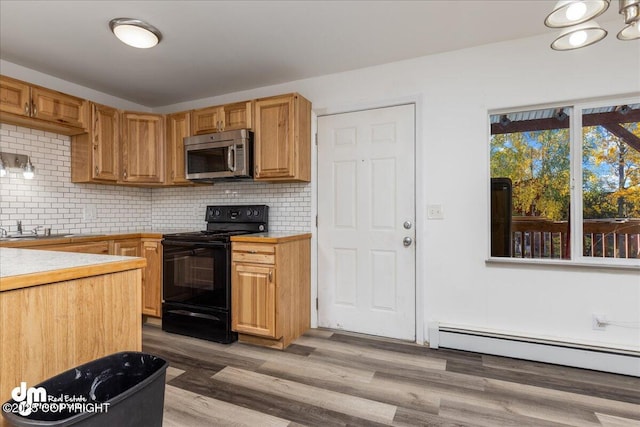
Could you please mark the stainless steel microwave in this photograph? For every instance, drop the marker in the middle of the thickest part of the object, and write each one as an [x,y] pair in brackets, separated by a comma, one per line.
[217,156]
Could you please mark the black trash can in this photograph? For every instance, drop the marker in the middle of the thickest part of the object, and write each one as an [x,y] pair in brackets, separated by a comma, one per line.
[123,389]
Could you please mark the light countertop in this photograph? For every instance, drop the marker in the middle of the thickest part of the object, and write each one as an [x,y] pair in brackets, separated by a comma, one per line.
[21,268]
[271,237]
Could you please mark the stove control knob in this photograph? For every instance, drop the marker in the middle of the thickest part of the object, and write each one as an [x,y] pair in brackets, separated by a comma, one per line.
[255,212]
[249,212]
[261,228]
[217,212]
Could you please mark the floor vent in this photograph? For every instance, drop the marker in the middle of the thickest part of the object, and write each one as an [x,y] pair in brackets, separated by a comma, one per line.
[605,359]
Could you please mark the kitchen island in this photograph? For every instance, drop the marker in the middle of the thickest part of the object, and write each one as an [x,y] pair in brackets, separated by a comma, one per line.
[59,310]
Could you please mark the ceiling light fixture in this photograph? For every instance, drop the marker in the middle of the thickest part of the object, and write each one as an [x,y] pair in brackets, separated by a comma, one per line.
[135,32]
[576,17]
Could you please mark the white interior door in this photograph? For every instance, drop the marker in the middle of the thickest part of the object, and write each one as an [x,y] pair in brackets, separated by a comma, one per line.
[366,217]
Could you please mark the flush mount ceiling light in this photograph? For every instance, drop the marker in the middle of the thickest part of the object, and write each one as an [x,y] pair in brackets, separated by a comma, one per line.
[135,32]
[575,16]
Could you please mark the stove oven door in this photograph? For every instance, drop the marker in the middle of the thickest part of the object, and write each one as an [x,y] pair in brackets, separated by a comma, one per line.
[197,274]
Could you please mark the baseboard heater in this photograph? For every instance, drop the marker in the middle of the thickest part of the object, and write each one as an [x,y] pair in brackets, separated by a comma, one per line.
[618,361]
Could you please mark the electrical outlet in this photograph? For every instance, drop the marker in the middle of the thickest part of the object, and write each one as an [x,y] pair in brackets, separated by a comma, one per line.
[435,212]
[598,322]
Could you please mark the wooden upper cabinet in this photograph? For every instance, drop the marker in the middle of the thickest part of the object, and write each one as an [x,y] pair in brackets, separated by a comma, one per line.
[95,155]
[178,128]
[105,134]
[143,148]
[282,140]
[238,116]
[40,108]
[58,107]
[222,118]
[14,96]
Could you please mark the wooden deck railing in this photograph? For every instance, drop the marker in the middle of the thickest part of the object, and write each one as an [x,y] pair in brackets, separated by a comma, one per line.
[537,237]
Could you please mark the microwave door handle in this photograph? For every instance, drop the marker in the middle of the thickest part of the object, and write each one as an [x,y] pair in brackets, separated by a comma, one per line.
[231,158]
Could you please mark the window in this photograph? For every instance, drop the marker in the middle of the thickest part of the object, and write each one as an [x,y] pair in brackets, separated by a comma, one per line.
[565,183]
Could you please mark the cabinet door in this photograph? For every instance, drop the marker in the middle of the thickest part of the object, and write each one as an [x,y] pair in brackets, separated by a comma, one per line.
[14,97]
[237,116]
[57,107]
[178,127]
[207,120]
[274,142]
[152,279]
[142,148]
[126,247]
[106,135]
[253,300]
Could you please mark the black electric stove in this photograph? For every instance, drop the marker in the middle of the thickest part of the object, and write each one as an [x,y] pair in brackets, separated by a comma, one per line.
[197,272]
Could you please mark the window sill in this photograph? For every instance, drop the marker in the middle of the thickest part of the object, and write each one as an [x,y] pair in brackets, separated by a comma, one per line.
[629,265]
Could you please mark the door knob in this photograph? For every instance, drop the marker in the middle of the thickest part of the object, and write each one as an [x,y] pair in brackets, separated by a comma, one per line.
[407,225]
[407,241]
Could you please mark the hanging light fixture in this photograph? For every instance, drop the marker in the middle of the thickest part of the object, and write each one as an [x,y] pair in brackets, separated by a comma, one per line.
[576,17]
[630,9]
[28,170]
[572,12]
[135,33]
[578,36]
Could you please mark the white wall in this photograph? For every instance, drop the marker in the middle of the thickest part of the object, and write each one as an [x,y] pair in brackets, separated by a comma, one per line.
[455,91]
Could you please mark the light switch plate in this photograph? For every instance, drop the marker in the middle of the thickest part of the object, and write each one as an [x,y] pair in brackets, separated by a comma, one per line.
[435,212]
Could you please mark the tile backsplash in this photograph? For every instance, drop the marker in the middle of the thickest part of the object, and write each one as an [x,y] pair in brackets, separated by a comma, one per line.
[51,200]
[289,204]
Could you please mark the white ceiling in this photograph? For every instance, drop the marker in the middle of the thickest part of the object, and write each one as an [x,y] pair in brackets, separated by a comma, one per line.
[211,48]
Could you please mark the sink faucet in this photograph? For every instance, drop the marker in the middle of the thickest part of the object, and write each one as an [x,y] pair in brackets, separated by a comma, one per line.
[3,232]
[35,230]
[19,224]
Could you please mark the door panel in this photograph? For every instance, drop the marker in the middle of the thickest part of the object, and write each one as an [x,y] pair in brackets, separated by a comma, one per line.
[366,180]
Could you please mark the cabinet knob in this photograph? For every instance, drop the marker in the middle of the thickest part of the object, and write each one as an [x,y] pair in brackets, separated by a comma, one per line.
[34,110]
[270,276]
[26,108]
[124,174]
[97,171]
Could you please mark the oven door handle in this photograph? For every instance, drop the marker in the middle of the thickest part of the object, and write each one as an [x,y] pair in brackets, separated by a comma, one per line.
[192,244]
[192,314]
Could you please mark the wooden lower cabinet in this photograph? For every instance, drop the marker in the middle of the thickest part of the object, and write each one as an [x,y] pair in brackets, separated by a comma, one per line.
[254,294]
[270,290]
[151,250]
[148,248]
[130,247]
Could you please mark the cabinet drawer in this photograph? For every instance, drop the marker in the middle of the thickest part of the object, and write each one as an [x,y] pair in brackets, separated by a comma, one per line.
[252,252]
[260,258]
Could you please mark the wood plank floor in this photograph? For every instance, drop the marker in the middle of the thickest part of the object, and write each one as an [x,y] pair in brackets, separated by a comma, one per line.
[329,378]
